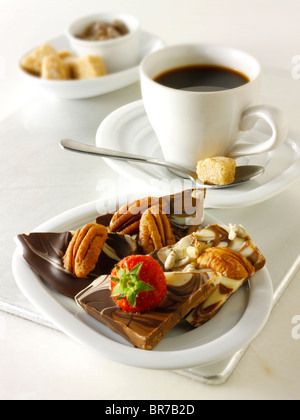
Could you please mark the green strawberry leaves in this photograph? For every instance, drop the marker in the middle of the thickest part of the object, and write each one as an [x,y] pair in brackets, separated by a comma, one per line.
[129,284]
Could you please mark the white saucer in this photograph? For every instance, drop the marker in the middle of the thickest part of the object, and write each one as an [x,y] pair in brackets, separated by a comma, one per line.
[77,89]
[231,329]
[128,129]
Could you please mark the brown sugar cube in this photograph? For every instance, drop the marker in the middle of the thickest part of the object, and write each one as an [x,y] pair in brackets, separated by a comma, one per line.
[70,63]
[53,68]
[88,67]
[217,170]
[63,54]
[33,61]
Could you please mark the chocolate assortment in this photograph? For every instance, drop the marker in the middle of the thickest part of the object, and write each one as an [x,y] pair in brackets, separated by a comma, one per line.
[203,268]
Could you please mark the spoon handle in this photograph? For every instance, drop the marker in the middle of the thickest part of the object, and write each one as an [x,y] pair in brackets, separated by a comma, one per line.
[76,146]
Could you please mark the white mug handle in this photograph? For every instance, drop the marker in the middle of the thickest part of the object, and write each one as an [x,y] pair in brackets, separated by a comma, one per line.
[274,118]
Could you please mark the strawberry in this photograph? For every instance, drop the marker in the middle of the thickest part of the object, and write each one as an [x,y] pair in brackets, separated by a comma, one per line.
[138,283]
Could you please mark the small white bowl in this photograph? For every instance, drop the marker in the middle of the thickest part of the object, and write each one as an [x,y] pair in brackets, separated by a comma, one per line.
[119,53]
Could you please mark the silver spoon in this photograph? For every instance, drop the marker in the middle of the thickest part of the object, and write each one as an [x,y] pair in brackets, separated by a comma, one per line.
[243,173]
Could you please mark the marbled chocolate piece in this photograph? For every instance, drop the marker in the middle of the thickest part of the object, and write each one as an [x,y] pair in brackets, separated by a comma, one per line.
[234,237]
[44,251]
[183,257]
[147,329]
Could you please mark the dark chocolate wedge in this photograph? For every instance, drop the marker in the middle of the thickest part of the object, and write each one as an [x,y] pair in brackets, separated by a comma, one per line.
[44,251]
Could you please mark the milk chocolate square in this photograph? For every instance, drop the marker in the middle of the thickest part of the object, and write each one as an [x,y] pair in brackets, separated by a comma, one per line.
[145,330]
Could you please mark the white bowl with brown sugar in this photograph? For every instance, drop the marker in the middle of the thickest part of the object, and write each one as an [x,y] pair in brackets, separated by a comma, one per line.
[113,36]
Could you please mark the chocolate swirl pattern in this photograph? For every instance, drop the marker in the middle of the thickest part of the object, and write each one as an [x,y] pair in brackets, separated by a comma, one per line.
[206,310]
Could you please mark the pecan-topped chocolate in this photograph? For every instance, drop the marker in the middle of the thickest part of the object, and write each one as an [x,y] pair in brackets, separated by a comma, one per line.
[84,249]
[46,252]
[226,251]
[155,230]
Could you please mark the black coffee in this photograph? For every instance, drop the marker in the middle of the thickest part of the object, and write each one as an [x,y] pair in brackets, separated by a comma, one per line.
[202,78]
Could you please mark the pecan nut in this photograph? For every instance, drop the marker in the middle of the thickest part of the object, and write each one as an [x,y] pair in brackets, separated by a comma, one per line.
[127,219]
[155,230]
[84,249]
[227,262]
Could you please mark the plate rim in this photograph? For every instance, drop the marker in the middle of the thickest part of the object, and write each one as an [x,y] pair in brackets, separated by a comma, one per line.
[44,300]
[242,199]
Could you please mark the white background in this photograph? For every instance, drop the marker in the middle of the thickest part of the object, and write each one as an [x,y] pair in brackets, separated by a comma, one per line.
[38,362]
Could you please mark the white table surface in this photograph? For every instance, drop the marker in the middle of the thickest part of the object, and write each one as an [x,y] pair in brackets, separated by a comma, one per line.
[37,362]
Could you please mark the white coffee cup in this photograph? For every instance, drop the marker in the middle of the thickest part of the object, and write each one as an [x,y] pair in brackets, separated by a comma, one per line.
[195,125]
